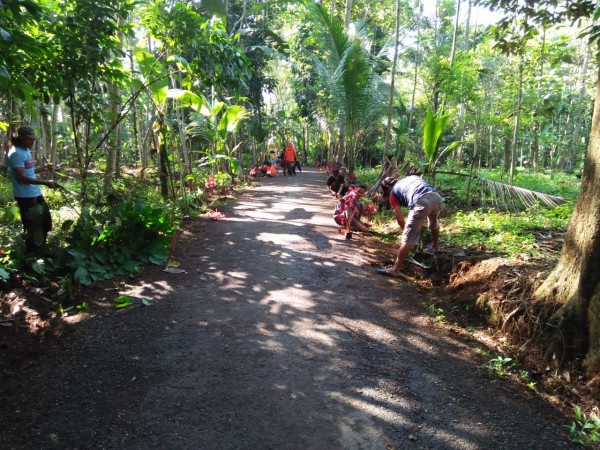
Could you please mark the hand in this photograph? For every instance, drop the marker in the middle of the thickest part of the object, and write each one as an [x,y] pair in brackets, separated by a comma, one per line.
[52,184]
[49,167]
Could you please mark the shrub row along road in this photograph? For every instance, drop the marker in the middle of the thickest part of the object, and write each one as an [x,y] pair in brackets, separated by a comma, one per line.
[279,335]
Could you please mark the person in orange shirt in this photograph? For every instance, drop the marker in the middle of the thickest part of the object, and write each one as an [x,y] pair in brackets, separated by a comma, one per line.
[290,157]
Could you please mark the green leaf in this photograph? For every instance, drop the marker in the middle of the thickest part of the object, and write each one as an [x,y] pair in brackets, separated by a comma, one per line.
[131,266]
[9,213]
[4,274]
[38,238]
[93,267]
[123,301]
[66,225]
[5,35]
[99,254]
[232,119]
[78,254]
[35,212]
[217,8]
[38,266]
[159,93]
[187,98]
[157,260]
[82,276]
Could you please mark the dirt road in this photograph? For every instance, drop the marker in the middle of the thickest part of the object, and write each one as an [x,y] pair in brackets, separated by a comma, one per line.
[279,335]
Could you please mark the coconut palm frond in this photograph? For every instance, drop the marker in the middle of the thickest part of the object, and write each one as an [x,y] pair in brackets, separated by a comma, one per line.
[505,196]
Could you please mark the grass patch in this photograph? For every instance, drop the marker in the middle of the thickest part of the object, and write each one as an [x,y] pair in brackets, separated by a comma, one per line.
[502,232]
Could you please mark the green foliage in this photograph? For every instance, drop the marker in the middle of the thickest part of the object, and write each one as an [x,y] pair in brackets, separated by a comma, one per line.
[505,233]
[435,311]
[123,301]
[433,129]
[551,182]
[367,175]
[499,365]
[19,47]
[114,241]
[584,430]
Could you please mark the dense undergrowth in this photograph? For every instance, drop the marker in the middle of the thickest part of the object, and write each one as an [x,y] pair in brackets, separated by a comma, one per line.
[474,225]
[105,235]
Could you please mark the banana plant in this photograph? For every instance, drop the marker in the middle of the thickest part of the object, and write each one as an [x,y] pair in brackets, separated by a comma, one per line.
[216,120]
[433,128]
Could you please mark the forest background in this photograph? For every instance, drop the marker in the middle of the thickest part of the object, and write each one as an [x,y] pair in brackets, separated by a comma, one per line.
[151,111]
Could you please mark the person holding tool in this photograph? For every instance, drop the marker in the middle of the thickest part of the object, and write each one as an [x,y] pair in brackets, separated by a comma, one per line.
[35,213]
[423,203]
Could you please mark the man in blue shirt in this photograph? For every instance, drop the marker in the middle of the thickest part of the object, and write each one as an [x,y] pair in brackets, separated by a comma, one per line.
[423,202]
[35,213]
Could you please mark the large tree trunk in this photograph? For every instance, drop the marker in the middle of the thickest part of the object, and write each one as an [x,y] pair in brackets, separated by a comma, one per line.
[575,282]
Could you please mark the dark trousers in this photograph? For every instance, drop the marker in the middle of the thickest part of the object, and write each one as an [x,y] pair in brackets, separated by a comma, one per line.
[37,222]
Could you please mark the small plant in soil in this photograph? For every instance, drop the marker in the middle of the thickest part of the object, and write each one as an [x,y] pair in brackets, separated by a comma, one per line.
[435,311]
[499,365]
[584,430]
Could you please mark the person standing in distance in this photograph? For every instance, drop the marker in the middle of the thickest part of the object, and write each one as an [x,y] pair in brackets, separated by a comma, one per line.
[290,156]
[35,214]
[423,202]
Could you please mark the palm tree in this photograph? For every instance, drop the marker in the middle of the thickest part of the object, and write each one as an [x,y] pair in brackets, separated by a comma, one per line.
[347,75]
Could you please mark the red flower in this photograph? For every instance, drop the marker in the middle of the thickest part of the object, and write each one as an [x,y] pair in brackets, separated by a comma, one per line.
[210,184]
[369,211]
[214,214]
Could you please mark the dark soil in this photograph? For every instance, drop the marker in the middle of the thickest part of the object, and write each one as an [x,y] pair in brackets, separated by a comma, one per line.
[280,334]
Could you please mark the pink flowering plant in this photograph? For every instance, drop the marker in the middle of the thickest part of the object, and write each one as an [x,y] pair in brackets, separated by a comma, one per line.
[214,215]
[210,184]
[348,210]
[369,211]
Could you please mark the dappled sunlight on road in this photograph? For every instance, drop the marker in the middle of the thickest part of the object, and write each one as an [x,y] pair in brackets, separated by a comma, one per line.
[368,402]
[281,335]
[367,329]
[313,333]
[288,298]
